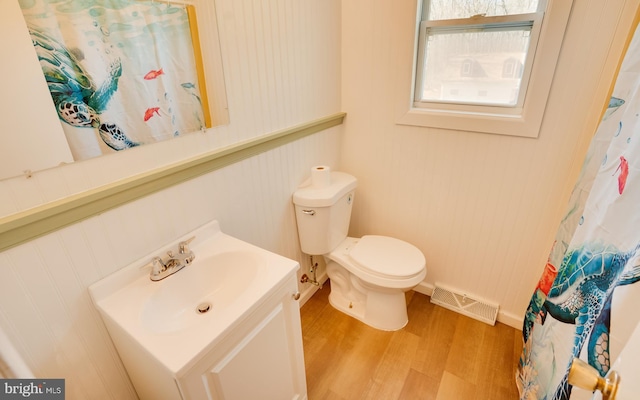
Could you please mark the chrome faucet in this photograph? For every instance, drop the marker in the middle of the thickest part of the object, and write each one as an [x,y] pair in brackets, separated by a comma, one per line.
[161,268]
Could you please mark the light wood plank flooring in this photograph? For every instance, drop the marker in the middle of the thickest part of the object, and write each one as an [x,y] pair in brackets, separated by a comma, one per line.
[439,355]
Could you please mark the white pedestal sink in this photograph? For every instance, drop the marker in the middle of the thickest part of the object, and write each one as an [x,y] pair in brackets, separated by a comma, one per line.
[228,318]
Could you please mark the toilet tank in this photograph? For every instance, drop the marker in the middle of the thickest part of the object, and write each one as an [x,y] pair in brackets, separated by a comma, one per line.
[323,213]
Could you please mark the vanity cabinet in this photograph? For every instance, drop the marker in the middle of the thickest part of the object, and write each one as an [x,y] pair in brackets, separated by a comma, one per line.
[260,358]
[226,327]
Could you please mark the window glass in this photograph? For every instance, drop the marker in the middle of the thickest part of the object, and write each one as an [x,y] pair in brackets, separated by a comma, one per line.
[476,52]
[451,9]
[474,65]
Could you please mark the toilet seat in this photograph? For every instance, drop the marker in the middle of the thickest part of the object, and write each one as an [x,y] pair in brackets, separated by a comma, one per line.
[387,257]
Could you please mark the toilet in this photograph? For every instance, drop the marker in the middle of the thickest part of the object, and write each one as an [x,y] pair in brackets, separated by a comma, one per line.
[369,275]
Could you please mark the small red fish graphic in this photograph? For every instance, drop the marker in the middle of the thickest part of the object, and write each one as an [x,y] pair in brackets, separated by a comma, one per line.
[149,113]
[624,172]
[153,74]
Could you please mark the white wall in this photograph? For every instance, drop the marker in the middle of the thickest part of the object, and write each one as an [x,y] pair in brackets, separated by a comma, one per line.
[483,208]
[282,63]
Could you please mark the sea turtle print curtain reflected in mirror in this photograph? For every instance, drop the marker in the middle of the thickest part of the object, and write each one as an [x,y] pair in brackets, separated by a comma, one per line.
[121,73]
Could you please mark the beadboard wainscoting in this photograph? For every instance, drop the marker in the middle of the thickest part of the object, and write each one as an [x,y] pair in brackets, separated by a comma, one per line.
[46,309]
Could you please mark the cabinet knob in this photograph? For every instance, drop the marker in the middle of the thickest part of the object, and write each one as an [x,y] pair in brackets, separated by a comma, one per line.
[296,296]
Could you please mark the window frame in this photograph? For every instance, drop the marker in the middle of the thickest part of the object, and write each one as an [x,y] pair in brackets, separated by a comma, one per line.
[524,119]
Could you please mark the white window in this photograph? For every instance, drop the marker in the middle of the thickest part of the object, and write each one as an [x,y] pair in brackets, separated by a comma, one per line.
[485,65]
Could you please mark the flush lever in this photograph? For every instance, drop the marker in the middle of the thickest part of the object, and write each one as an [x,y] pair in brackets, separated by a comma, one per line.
[309,212]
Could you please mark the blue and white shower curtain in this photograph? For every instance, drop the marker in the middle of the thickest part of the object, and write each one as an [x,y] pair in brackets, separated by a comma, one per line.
[594,297]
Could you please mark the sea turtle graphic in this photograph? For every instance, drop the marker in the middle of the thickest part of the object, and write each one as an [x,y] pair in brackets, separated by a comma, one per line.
[78,101]
[581,295]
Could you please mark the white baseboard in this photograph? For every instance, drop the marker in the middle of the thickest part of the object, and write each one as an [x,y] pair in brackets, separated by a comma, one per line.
[510,319]
[507,318]
[424,288]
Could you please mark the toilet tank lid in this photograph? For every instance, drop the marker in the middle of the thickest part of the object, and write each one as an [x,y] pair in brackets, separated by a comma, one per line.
[308,195]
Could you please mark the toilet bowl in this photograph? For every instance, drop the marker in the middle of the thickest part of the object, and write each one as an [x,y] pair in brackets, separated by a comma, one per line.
[369,275]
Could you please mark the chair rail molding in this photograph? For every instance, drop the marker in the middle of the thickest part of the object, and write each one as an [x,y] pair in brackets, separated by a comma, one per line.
[30,224]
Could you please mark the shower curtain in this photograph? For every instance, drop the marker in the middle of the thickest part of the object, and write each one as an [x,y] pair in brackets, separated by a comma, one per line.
[588,294]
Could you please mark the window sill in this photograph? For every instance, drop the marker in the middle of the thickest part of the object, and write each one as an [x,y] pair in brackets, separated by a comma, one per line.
[500,124]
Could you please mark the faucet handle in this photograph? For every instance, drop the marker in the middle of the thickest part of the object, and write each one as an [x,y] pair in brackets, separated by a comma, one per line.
[157,266]
[183,247]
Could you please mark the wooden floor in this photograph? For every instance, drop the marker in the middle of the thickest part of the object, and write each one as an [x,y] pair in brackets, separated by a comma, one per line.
[439,355]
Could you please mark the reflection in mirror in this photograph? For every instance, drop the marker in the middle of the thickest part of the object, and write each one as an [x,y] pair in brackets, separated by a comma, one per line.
[119,74]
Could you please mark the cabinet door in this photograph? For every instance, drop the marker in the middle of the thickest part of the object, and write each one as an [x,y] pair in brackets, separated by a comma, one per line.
[259,367]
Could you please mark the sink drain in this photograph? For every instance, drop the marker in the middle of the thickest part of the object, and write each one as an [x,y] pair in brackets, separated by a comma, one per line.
[203,308]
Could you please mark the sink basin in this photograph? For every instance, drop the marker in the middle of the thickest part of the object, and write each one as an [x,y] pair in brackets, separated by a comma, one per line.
[180,317]
[214,284]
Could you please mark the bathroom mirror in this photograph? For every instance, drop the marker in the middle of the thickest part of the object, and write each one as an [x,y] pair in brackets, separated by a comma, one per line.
[31,125]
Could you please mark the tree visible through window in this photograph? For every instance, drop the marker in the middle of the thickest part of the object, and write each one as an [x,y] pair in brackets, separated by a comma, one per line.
[476,52]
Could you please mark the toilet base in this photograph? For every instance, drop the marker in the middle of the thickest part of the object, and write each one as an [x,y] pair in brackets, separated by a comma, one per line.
[380,308]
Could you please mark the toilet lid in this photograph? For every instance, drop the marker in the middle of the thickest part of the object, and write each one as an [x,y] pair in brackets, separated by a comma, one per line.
[388,257]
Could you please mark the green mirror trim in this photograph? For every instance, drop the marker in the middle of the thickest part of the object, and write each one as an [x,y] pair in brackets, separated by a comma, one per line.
[30,224]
